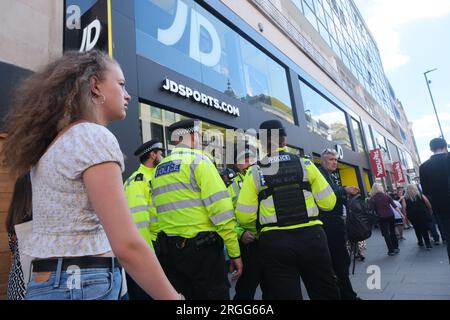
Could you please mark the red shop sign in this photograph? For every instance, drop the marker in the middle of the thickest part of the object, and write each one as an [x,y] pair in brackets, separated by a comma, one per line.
[398,171]
[376,158]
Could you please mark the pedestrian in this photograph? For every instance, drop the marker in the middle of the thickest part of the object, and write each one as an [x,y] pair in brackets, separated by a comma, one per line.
[248,282]
[334,225]
[19,212]
[399,216]
[281,196]
[434,179]
[400,194]
[57,128]
[196,218]
[418,211]
[381,203]
[139,198]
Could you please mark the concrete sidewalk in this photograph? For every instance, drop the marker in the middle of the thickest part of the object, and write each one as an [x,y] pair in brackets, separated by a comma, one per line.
[413,274]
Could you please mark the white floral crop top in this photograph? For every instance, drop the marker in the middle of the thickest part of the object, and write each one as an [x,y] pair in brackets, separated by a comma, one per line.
[64,223]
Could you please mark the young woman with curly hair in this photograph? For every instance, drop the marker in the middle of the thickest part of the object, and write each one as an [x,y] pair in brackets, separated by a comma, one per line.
[82,226]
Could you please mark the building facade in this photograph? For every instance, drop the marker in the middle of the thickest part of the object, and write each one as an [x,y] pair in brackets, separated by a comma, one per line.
[313,64]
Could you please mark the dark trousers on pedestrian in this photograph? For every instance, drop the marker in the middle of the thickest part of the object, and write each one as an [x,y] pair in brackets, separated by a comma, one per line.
[438,222]
[287,255]
[421,228]
[387,227]
[195,267]
[252,273]
[444,220]
[334,227]
[135,292]
[432,226]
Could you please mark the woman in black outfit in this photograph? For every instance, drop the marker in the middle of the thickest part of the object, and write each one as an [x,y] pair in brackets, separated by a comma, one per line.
[418,210]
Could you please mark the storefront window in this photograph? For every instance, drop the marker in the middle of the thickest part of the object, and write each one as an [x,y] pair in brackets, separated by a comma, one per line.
[358,136]
[155,123]
[183,36]
[367,180]
[324,118]
[403,158]
[380,142]
[393,151]
[409,161]
[369,141]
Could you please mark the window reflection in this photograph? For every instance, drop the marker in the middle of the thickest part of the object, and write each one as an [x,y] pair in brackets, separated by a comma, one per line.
[155,123]
[368,136]
[358,136]
[380,142]
[200,46]
[324,118]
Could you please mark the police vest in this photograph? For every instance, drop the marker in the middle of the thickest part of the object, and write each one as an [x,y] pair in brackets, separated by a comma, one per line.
[286,187]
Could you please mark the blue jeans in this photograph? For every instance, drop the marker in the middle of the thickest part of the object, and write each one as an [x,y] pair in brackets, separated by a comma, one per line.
[80,284]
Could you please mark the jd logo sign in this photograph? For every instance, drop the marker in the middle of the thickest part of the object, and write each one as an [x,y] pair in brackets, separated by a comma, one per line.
[198,22]
[86,30]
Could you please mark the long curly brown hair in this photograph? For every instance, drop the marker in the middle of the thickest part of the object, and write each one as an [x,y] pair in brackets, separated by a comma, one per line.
[47,102]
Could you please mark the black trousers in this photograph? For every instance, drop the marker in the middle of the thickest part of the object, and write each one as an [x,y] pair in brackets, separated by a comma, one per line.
[387,227]
[334,227]
[444,220]
[135,292]
[287,255]
[421,229]
[197,271]
[252,273]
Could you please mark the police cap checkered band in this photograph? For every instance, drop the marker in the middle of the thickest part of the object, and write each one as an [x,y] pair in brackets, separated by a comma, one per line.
[151,145]
[183,127]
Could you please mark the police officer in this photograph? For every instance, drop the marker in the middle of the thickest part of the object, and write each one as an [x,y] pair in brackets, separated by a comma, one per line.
[251,276]
[196,218]
[244,160]
[138,194]
[334,225]
[281,194]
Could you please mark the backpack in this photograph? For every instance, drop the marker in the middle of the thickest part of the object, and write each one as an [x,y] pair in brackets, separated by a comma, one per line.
[360,220]
[359,223]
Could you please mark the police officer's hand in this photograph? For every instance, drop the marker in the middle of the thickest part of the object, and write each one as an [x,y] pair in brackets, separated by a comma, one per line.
[235,268]
[247,237]
[352,190]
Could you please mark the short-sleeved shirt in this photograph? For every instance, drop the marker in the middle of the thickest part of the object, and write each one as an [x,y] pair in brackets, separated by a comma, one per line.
[64,222]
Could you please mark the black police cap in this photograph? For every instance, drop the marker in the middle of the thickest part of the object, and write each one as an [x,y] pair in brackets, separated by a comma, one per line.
[184,127]
[154,144]
[273,125]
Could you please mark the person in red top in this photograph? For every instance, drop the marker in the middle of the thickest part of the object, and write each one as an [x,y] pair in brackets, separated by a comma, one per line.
[380,202]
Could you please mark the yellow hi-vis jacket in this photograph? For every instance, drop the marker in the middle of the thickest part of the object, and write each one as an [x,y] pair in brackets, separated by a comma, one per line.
[235,188]
[246,210]
[190,197]
[139,197]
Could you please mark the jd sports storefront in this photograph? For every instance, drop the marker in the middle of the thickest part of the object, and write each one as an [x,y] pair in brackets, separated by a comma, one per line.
[186,58]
